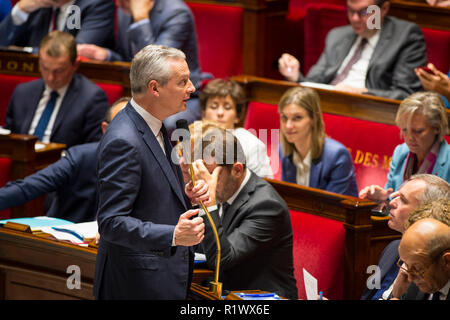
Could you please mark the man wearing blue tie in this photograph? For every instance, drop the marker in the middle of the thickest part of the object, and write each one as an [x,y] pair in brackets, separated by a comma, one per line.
[62,106]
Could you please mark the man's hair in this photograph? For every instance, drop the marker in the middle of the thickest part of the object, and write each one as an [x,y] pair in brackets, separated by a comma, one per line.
[438,209]
[109,111]
[308,99]
[436,188]
[222,88]
[430,105]
[54,41]
[211,141]
[151,63]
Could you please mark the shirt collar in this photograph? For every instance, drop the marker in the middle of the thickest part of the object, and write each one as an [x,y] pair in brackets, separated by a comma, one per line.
[372,41]
[154,123]
[445,289]
[61,91]
[244,182]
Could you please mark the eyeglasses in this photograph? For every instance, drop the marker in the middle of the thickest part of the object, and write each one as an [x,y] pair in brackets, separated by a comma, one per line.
[413,271]
[361,13]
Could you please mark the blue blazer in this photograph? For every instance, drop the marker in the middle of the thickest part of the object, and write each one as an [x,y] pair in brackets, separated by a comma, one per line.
[333,171]
[71,183]
[79,117]
[96,22]
[141,197]
[5,8]
[171,23]
[395,175]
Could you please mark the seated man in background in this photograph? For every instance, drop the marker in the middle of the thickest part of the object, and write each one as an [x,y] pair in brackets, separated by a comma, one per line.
[89,21]
[425,253]
[414,193]
[164,22]
[252,220]
[62,106]
[361,60]
[71,181]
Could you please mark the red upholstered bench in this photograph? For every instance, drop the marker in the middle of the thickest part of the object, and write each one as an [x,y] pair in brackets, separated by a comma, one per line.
[438,48]
[113,91]
[219,32]
[319,247]
[371,148]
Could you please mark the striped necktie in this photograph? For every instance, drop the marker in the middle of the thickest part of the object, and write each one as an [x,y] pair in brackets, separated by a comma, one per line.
[46,115]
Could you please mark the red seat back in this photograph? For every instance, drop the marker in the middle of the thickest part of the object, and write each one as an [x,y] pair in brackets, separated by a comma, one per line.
[319,247]
[7,85]
[219,31]
[371,145]
[438,48]
[113,91]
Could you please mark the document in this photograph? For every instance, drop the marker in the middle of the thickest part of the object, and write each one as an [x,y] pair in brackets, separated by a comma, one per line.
[317,85]
[310,285]
[77,233]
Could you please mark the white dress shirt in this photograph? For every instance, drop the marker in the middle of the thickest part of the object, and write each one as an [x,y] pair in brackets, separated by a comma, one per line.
[40,109]
[303,168]
[444,292]
[357,75]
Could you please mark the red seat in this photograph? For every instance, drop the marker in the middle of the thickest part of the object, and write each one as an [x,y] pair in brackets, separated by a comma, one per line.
[113,91]
[438,48]
[219,31]
[319,247]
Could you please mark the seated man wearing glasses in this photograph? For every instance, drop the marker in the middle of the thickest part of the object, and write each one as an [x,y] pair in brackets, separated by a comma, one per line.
[366,56]
[420,189]
[425,252]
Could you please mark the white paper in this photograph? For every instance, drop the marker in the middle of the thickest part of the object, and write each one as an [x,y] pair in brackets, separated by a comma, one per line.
[310,285]
[317,85]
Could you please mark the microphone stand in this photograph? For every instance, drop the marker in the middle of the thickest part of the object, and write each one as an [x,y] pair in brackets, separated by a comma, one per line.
[215,287]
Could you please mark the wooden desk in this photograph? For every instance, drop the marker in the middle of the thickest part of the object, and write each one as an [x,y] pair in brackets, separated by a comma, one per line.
[365,107]
[421,13]
[25,64]
[34,267]
[20,148]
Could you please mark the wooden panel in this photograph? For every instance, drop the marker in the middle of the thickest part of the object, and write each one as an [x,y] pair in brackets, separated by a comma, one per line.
[421,13]
[365,107]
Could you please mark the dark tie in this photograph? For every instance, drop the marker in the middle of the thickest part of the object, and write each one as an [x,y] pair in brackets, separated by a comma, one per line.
[356,56]
[55,14]
[225,206]
[388,279]
[436,295]
[45,117]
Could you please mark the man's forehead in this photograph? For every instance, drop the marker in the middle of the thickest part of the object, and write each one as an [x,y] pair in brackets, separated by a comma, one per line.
[415,187]
[360,3]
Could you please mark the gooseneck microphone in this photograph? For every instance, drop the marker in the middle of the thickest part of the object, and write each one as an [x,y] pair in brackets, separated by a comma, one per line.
[184,138]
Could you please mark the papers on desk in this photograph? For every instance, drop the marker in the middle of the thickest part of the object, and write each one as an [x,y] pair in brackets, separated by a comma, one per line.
[37,223]
[4,131]
[317,85]
[39,146]
[77,233]
[310,285]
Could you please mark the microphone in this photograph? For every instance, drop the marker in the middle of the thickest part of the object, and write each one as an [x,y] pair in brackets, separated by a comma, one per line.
[215,286]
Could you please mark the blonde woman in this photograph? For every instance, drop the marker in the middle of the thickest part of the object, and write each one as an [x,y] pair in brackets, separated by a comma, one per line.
[423,124]
[307,156]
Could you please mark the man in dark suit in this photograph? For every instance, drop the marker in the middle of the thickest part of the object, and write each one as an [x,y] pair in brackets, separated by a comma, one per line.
[71,182]
[164,22]
[62,106]
[143,213]
[415,192]
[425,252]
[252,220]
[361,60]
[89,21]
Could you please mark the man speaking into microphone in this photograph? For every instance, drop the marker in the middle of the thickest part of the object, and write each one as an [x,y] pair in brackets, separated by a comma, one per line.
[145,224]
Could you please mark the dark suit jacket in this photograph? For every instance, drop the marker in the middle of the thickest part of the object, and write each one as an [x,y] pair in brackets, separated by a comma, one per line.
[400,49]
[140,201]
[96,22]
[256,241]
[171,24]
[71,183]
[79,118]
[413,293]
[333,171]
[389,257]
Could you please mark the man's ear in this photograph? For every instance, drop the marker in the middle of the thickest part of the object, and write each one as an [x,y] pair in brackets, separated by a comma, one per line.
[385,8]
[77,62]
[153,87]
[446,258]
[238,169]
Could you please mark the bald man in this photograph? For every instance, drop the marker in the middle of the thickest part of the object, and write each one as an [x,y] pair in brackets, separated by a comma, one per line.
[425,252]
[71,181]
